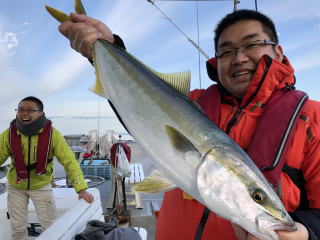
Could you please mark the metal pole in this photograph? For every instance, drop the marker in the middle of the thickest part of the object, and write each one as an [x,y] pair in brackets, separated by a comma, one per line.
[235,5]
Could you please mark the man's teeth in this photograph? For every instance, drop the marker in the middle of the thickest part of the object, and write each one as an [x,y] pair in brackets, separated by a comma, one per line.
[238,74]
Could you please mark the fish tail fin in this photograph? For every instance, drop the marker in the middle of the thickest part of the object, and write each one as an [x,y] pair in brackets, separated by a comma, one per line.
[63,17]
[78,7]
[57,14]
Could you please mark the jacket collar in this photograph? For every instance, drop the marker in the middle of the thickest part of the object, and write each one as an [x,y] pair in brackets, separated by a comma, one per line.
[270,76]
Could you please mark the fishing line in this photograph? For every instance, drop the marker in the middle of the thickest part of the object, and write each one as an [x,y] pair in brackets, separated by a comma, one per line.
[197,46]
[98,140]
[185,35]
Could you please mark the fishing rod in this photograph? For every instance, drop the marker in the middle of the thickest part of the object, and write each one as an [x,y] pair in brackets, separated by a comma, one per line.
[235,2]
[197,46]
[179,29]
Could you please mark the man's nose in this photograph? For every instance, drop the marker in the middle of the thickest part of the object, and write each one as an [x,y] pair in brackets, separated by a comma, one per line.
[239,56]
[24,112]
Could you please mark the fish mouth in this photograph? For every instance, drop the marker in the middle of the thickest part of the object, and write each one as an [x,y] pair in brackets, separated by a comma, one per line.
[270,225]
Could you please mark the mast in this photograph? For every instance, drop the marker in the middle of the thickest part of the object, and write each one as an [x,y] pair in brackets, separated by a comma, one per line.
[235,5]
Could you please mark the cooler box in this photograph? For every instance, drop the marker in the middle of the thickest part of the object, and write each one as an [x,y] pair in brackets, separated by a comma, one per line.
[97,167]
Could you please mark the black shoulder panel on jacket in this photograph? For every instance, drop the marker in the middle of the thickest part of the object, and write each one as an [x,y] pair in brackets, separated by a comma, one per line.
[311,220]
[118,41]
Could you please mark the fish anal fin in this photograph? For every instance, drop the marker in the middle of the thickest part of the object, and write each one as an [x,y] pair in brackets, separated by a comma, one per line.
[155,183]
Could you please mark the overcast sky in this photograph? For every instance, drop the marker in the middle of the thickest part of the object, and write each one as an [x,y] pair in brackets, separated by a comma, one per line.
[37,60]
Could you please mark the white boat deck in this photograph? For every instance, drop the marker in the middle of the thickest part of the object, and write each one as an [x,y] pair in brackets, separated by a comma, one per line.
[142,219]
[73,214]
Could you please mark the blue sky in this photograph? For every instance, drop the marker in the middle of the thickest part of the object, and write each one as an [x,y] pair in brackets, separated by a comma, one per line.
[37,60]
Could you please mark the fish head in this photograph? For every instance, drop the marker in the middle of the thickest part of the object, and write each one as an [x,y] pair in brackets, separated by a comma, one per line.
[234,188]
[270,214]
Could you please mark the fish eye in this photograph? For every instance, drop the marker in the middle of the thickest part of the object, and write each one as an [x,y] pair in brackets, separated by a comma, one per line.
[258,196]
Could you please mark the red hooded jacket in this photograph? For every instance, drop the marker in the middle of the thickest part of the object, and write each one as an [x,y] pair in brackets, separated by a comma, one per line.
[179,217]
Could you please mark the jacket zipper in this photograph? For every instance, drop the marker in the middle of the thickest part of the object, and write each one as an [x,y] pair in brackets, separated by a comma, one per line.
[233,120]
[29,147]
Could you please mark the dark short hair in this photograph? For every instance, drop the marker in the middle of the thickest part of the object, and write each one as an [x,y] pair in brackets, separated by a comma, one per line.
[245,14]
[34,99]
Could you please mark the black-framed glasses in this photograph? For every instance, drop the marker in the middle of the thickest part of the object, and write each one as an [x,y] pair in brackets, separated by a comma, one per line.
[21,110]
[247,49]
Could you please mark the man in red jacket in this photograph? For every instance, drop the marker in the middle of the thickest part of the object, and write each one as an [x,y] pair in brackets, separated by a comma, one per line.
[249,68]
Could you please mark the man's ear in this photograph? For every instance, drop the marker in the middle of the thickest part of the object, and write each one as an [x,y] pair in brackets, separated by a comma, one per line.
[279,53]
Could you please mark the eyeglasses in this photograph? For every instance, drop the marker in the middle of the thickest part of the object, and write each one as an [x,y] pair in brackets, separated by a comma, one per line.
[247,49]
[20,110]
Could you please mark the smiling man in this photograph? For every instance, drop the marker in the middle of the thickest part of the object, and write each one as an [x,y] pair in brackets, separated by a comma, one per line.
[240,48]
[32,143]
[255,102]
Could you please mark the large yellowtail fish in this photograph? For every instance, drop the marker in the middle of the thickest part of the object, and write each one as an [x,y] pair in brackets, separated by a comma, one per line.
[186,147]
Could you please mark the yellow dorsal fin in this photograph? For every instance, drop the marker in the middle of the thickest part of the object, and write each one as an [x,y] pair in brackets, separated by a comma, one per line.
[179,80]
